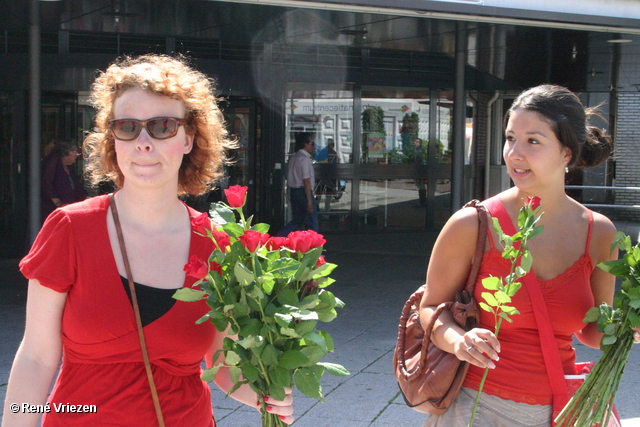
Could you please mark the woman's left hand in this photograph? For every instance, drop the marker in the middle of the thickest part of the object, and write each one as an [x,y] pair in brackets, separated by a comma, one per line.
[282,408]
[636,335]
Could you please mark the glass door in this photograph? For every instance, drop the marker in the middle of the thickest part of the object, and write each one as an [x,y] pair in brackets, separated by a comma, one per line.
[406,155]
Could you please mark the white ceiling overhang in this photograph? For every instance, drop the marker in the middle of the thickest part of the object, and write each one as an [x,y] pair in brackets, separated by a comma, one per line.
[612,16]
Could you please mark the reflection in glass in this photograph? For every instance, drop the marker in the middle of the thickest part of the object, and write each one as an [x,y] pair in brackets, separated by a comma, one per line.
[327,112]
[334,206]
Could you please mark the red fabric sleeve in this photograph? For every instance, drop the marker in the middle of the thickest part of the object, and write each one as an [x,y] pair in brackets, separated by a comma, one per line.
[52,258]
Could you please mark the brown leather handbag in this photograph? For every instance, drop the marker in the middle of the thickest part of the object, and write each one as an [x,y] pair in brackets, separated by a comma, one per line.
[430,378]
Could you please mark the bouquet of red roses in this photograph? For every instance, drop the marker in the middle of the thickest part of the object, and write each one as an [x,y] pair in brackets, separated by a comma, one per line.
[270,292]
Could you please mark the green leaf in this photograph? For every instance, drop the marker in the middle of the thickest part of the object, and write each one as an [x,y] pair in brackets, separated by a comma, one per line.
[316,339]
[634,319]
[307,382]
[305,327]
[203,319]
[267,283]
[220,324]
[505,316]
[243,274]
[323,282]
[235,387]
[250,372]
[251,342]
[502,297]
[610,329]
[209,375]
[335,369]
[287,296]
[289,332]
[486,307]
[609,339]
[313,353]
[235,373]
[233,230]
[261,227]
[323,270]
[284,268]
[280,376]
[189,295]
[490,299]
[327,315]
[309,302]
[328,339]
[509,310]
[513,288]
[231,358]
[536,232]
[221,214]
[491,283]
[292,359]
[250,327]
[277,392]
[526,261]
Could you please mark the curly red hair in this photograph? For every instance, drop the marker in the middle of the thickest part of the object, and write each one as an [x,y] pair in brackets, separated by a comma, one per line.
[167,76]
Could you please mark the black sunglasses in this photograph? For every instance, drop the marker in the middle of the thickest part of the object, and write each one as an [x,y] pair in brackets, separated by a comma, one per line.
[157,127]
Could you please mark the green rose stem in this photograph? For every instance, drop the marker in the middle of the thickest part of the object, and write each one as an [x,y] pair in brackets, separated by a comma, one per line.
[496,332]
[521,262]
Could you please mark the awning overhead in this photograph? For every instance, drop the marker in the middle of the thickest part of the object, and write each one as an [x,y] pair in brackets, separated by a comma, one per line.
[612,16]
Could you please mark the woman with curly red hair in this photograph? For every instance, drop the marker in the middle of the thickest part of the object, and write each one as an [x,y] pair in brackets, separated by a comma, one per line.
[159,133]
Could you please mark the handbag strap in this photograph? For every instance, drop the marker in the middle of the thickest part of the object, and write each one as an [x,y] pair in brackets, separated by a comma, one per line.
[414,300]
[550,352]
[136,310]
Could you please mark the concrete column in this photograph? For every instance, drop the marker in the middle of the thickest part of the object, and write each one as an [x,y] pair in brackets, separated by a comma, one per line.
[34,119]
[459,114]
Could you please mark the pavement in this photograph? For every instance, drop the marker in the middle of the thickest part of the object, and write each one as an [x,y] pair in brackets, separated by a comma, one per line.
[375,275]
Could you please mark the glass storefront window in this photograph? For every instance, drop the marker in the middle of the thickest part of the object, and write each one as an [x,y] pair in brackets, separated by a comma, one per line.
[395,125]
[327,112]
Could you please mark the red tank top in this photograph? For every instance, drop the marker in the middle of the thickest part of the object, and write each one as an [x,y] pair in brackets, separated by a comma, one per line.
[520,374]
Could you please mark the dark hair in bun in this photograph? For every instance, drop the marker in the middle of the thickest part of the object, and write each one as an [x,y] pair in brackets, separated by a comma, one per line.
[568,118]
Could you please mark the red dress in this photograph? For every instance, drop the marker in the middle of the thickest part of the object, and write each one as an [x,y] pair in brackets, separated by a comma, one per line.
[102,362]
[520,374]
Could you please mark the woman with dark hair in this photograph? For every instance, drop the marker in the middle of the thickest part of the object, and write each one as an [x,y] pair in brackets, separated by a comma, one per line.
[60,184]
[547,133]
[159,133]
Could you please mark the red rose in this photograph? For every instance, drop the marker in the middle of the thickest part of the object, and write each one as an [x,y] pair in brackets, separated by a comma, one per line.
[321,261]
[251,239]
[222,240]
[303,241]
[317,240]
[236,195]
[299,242]
[196,268]
[533,203]
[276,243]
[201,223]
[214,266]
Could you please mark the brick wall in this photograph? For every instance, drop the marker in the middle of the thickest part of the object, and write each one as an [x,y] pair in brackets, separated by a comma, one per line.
[627,153]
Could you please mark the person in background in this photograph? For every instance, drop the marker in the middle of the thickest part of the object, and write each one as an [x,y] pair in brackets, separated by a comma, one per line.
[301,182]
[332,154]
[159,133]
[547,133]
[60,184]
